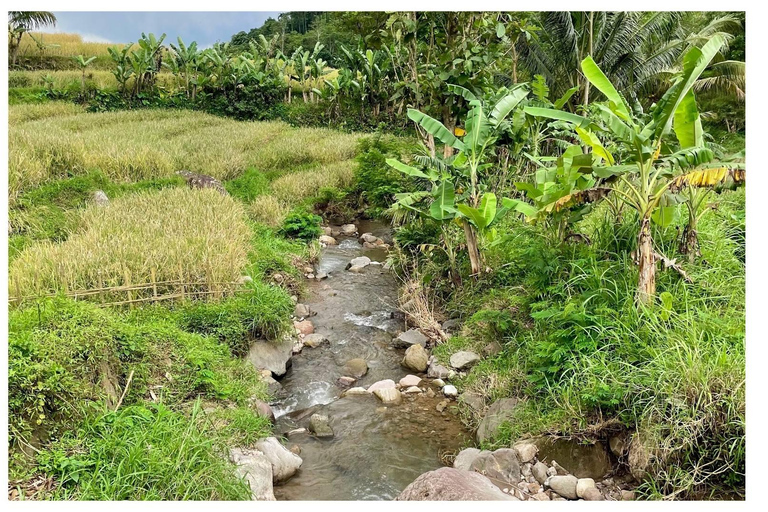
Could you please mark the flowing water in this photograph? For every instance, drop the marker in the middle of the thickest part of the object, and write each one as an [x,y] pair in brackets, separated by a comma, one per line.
[376,450]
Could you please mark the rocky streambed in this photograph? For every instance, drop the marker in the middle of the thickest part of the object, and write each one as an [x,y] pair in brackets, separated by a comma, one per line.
[364,412]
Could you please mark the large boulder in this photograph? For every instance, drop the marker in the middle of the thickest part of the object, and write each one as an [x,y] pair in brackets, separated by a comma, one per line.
[579,459]
[500,467]
[314,340]
[274,356]
[327,240]
[565,485]
[451,484]
[409,338]
[284,463]
[355,368]
[360,261]
[348,229]
[257,471]
[416,358]
[499,412]
[464,360]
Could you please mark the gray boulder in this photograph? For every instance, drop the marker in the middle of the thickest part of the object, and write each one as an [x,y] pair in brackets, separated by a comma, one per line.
[451,325]
[360,261]
[348,229]
[539,471]
[314,340]
[409,338]
[284,463]
[499,412]
[200,181]
[450,484]
[564,485]
[355,368]
[302,311]
[320,425]
[257,471]
[465,458]
[464,360]
[500,467]
[274,356]
[416,358]
[388,395]
[100,198]
[327,239]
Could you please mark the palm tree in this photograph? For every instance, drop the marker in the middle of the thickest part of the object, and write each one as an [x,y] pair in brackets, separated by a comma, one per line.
[24,21]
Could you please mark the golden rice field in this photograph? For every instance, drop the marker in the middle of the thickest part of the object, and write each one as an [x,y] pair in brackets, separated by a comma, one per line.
[61,45]
[62,78]
[129,146]
[179,233]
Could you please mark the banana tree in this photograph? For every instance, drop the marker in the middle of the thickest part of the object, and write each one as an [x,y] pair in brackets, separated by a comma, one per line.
[646,180]
[475,209]
[83,63]
[123,70]
[187,59]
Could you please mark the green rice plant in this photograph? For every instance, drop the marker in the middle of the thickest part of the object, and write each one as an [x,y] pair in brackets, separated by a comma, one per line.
[198,236]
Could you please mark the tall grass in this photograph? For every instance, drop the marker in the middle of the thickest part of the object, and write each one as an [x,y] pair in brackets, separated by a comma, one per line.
[32,112]
[296,186]
[148,144]
[62,45]
[194,235]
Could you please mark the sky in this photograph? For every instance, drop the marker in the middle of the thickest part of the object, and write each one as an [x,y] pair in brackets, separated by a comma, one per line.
[206,28]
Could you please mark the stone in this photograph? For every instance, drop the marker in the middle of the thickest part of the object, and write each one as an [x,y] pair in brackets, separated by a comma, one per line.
[345,382]
[356,269]
[274,356]
[99,198]
[409,338]
[464,360]
[409,380]
[284,463]
[564,485]
[295,449]
[440,383]
[451,484]
[559,469]
[416,358]
[368,237]
[382,384]
[627,495]
[539,471]
[592,494]
[321,275]
[450,391]
[551,472]
[465,458]
[436,371]
[360,261]
[278,278]
[618,444]
[327,240]
[583,484]
[348,229]
[451,325]
[534,487]
[200,181]
[526,451]
[579,459]
[540,497]
[440,407]
[256,469]
[314,340]
[320,425]
[263,409]
[356,391]
[388,395]
[355,368]
[301,311]
[430,393]
[304,327]
[474,401]
[412,390]
[499,412]
[500,467]
[492,348]
[273,387]
[326,230]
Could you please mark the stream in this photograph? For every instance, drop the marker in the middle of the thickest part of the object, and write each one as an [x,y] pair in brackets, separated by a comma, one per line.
[376,450]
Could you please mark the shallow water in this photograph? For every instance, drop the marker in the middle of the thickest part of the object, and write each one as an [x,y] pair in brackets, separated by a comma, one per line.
[376,450]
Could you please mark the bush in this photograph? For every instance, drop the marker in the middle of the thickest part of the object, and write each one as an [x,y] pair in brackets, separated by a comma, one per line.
[375,181]
[304,226]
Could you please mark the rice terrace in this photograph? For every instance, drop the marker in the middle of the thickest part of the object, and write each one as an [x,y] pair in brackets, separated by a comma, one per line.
[377,256]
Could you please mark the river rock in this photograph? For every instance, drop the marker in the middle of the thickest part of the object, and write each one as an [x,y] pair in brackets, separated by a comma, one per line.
[345,382]
[284,463]
[327,230]
[301,311]
[627,495]
[526,451]
[583,484]
[409,338]
[368,237]
[320,425]
[356,269]
[500,467]
[348,229]
[201,181]
[327,239]
[436,371]
[464,360]
[539,471]
[639,457]
[450,391]
[564,485]
[451,325]
[440,383]
[274,356]
[465,458]
[304,327]
[356,391]
[355,368]
[99,198]
[416,358]
[474,401]
[412,390]
[314,340]
[388,395]
[263,409]
[409,380]
[593,494]
[499,412]
[257,471]
[360,261]
[382,384]
[450,484]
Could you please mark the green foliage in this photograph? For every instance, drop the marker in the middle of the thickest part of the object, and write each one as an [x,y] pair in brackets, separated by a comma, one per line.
[249,185]
[301,225]
[376,183]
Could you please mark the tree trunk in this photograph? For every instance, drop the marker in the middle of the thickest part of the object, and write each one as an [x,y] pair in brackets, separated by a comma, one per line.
[689,242]
[474,252]
[449,123]
[646,280]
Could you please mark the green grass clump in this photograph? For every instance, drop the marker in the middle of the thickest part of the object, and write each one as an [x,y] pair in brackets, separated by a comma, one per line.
[143,452]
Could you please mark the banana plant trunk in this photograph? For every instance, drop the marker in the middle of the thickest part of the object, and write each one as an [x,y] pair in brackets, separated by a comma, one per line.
[474,253]
[689,242]
[646,281]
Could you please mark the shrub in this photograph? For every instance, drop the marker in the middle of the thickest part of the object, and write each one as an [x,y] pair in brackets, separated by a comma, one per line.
[304,226]
[374,180]
[199,236]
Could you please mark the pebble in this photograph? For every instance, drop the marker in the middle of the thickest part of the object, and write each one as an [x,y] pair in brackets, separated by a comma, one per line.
[450,391]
